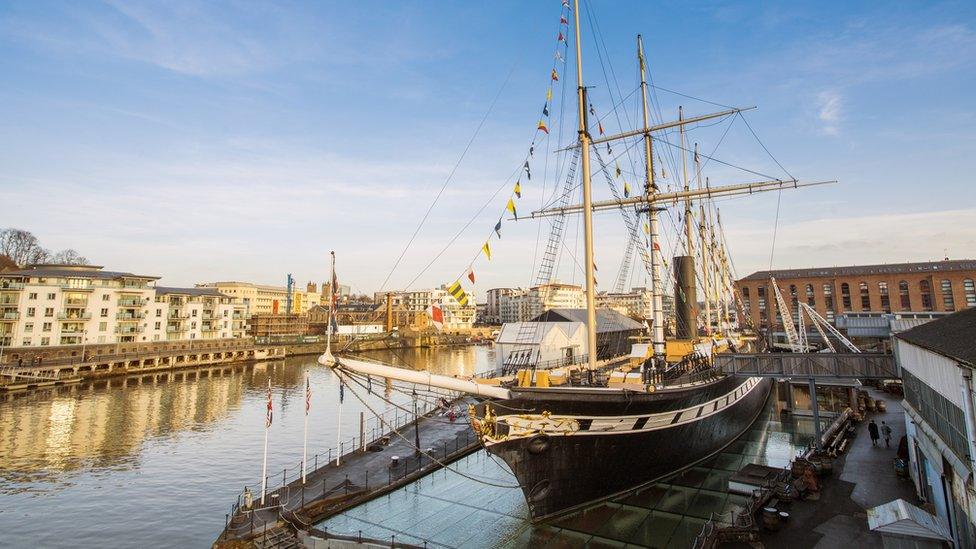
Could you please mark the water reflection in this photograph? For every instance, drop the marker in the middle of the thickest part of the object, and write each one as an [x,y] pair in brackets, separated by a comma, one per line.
[162,456]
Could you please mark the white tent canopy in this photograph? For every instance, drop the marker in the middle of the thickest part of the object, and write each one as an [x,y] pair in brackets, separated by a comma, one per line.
[901,518]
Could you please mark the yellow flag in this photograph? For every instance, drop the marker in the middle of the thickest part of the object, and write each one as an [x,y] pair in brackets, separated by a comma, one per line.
[518,189]
[626,189]
[549,94]
[458,293]
[647,228]
[487,249]
[511,207]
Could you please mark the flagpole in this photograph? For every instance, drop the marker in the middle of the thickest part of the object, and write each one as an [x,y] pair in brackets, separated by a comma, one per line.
[305,438]
[264,467]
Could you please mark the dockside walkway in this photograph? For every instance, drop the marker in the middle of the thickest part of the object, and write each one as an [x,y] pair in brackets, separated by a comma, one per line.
[364,471]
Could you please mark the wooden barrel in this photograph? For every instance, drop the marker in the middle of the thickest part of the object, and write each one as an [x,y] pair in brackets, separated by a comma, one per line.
[770,518]
[882,407]
[870,404]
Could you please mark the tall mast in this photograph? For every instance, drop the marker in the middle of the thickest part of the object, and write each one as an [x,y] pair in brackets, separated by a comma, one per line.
[584,138]
[689,232]
[657,328]
[705,251]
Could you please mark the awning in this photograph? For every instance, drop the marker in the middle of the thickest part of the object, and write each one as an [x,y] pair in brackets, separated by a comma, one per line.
[901,518]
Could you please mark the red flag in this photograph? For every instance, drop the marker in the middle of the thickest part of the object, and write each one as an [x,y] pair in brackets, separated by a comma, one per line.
[471,275]
[562,20]
[657,247]
[555,75]
[436,316]
[267,420]
[600,125]
[542,126]
[561,37]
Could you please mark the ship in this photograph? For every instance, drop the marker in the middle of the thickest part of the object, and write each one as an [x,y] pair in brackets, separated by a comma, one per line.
[582,440]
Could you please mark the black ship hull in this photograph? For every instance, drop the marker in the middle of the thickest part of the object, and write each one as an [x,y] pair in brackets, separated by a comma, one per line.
[635,439]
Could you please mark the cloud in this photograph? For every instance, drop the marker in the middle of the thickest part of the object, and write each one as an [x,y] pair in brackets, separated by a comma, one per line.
[830,113]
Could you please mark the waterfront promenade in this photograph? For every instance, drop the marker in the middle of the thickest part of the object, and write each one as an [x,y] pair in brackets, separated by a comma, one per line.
[365,470]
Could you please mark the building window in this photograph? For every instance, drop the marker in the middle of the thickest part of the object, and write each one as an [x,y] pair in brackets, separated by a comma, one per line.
[794,303]
[811,301]
[906,300]
[828,290]
[29,327]
[46,327]
[885,300]
[865,297]
[947,300]
[763,312]
[31,311]
[194,312]
[52,296]
[746,306]
[102,326]
[159,313]
[105,297]
[926,290]
[49,311]
[157,325]
[32,295]
[104,313]
[845,296]
[25,342]
[45,341]
[969,289]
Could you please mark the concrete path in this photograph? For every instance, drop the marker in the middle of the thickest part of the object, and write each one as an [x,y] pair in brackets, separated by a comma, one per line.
[863,478]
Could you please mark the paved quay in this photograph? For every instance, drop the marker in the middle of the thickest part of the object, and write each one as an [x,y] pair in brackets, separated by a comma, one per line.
[864,477]
[359,476]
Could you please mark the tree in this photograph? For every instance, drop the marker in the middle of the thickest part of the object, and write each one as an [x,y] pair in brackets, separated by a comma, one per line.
[69,257]
[7,264]
[22,247]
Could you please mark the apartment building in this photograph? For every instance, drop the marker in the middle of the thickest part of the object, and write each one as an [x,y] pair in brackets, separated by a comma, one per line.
[197,313]
[941,286]
[262,299]
[493,305]
[47,305]
[407,304]
[523,305]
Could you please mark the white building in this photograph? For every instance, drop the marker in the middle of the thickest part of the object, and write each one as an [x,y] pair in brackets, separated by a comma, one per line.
[540,344]
[456,317]
[493,304]
[937,360]
[638,303]
[47,305]
[521,305]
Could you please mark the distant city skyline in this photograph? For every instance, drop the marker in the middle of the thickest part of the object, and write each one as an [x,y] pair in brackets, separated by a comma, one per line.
[231,141]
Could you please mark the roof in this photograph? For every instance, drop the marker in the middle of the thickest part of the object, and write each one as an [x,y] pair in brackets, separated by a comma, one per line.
[161,290]
[510,332]
[901,518]
[953,336]
[855,270]
[73,271]
[607,320]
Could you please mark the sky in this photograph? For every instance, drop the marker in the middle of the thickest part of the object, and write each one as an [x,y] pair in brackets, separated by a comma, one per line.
[203,141]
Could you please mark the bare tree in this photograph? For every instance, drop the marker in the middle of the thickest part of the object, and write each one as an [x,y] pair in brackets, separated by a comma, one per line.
[22,247]
[69,257]
[7,264]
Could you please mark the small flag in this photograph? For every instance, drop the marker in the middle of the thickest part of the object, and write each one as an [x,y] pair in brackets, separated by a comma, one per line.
[487,250]
[592,112]
[458,293]
[542,126]
[528,172]
[308,395]
[518,189]
[647,228]
[600,126]
[545,109]
[531,150]
[498,228]
[657,247]
[436,316]
[555,75]
[511,207]
[566,4]
[559,56]
[594,267]
[561,38]
[618,169]
[562,20]
[549,93]
[626,189]
[609,150]
[270,416]
[697,160]
[471,275]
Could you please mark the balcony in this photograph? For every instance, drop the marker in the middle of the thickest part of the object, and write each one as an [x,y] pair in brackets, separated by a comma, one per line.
[75,316]
[130,317]
[178,315]
[210,328]
[75,287]
[175,329]
[75,302]
[11,286]
[8,301]
[9,315]
[72,330]
[128,330]
[132,302]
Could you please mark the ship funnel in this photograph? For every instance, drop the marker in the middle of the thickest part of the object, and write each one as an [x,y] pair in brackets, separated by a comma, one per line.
[685,297]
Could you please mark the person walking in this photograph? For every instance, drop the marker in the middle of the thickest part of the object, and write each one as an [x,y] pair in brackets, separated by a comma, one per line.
[873,430]
[886,433]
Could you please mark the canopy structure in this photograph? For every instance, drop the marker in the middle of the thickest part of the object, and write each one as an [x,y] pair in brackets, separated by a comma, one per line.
[900,518]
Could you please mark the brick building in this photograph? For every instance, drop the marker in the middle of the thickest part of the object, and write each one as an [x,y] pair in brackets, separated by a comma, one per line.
[941,286]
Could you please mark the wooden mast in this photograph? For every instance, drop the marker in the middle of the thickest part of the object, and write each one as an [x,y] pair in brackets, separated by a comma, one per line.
[657,283]
[584,139]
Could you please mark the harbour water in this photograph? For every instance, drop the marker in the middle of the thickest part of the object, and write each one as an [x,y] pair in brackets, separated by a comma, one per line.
[126,461]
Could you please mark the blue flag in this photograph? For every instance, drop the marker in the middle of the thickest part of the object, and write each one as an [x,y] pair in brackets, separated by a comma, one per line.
[498,228]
